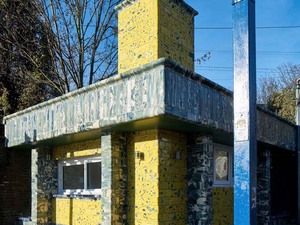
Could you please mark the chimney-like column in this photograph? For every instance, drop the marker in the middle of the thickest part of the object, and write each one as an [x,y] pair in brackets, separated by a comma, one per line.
[153,29]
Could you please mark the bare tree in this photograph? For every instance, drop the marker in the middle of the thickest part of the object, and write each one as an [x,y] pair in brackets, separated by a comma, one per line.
[51,47]
[277,90]
[82,36]
[25,77]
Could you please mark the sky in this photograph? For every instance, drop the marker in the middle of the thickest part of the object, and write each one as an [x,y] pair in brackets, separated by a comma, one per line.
[274,46]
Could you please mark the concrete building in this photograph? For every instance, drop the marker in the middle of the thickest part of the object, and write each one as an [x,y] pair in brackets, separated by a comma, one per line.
[153,144]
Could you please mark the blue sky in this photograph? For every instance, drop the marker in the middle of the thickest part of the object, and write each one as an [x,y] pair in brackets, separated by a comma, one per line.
[274,46]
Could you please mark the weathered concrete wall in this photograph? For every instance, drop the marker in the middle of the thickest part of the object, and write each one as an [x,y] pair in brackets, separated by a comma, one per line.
[274,130]
[162,87]
[115,100]
[194,101]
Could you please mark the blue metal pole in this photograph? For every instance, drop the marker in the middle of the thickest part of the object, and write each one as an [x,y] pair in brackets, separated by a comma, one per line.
[297,117]
[245,142]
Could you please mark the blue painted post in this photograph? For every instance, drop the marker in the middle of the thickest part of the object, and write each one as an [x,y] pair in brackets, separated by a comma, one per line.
[245,143]
[298,140]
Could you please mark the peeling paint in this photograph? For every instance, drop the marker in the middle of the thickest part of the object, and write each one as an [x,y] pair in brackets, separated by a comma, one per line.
[149,30]
[156,182]
[147,92]
[87,148]
[76,211]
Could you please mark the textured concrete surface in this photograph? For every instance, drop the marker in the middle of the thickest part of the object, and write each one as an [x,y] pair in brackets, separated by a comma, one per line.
[153,29]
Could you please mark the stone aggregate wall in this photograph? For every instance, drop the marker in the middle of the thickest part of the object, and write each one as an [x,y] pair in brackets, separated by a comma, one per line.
[199,181]
[43,185]
[114,178]
[264,187]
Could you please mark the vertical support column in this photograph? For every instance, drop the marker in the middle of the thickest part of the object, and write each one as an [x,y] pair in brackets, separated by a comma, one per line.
[264,187]
[298,142]
[199,182]
[43,185]
[34,185]
[245,156]
[114,178]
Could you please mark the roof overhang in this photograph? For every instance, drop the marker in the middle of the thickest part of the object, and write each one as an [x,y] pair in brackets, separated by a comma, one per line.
[162,94]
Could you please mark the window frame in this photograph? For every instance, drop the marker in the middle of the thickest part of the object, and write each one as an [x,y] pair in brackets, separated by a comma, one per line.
[229,151]
[78,161]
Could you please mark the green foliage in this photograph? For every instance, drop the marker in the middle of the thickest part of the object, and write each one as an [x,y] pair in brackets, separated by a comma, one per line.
[277,90]
[25,68]
[4,102]
[283,103]
[50,47]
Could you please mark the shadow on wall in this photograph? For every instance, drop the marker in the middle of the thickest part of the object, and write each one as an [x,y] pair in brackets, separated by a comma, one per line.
[15,185]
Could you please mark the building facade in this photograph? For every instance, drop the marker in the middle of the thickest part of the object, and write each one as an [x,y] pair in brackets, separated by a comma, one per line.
[151,145]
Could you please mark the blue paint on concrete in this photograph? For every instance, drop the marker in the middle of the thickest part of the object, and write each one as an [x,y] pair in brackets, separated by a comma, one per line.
[245,158]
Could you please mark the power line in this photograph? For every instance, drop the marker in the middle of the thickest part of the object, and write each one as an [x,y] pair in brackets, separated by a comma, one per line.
[231,68]
[261,27]
[262,52]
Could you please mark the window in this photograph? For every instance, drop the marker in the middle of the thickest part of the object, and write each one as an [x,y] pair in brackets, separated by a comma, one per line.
[81,176]
[223,165]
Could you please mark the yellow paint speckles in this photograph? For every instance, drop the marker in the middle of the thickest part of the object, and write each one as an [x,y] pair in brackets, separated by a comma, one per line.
[42,211]
[149,30]
[222,205]
[76,211]
[87,148]
[176,34]
[156,181]
[172,172]
[137,38]
[143,186]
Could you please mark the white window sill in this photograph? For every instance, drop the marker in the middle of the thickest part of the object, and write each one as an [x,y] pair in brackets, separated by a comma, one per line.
[78,196]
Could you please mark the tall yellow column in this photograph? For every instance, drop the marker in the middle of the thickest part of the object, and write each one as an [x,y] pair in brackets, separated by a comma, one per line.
[156,178]
[153,29]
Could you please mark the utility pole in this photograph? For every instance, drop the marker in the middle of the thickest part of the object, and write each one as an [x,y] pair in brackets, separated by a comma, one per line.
[245,141]
[297,118]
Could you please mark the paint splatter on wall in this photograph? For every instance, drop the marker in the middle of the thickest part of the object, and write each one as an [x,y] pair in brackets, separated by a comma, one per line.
[223,205]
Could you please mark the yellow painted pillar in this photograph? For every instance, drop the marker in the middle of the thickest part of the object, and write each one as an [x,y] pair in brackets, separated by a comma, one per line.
[156,178]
